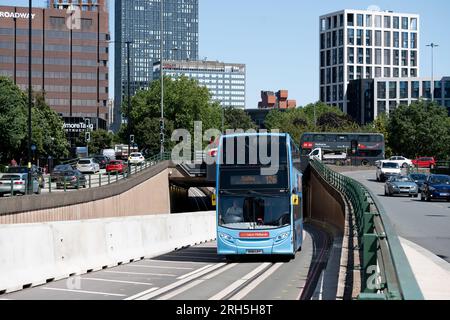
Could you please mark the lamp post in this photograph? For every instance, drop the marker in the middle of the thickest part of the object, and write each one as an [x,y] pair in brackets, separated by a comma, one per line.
[432,45]
[30,20]
[162,138]
[129,102]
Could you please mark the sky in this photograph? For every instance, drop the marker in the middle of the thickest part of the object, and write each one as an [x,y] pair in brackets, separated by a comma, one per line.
[278,40]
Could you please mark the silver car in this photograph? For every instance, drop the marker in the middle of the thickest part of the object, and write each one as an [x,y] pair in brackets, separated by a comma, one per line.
[17,183]
[402,185]
[88,165]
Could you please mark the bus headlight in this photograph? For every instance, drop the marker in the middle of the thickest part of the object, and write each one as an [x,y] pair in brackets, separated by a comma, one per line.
[282,237]
[226,237]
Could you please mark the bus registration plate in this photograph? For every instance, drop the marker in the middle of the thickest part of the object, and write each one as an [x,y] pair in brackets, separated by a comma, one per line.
[255,251]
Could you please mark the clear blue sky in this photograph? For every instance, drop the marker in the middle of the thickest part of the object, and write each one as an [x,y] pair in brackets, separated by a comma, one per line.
[278,39]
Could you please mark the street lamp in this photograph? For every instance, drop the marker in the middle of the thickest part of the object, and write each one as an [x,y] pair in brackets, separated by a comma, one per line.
[432,45]
[162,77]
[30,20]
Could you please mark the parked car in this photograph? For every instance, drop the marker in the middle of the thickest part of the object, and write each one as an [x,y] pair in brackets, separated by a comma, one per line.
[59,171]
[419,179]
[425,162]
[402,161]
[88,165]
[136,158]
[402,185]
[116,166]
[35,171]
[101,160]
[437,186]
[387,169]
[71,179]
[19,184]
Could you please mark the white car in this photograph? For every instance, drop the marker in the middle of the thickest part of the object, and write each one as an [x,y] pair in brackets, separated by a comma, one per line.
[402,161]
[88,165]
[387,169]
[136,158]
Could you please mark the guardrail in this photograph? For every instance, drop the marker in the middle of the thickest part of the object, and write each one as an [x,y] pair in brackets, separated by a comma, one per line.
[97,179]
[387,274]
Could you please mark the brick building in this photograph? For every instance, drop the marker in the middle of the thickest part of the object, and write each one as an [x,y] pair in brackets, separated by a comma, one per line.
[279,100]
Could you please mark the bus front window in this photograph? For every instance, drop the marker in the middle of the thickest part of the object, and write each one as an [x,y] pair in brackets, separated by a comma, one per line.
[255,211]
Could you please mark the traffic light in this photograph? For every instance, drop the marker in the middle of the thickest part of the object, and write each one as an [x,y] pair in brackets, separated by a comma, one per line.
[354,146]
[132,139]
[87,136]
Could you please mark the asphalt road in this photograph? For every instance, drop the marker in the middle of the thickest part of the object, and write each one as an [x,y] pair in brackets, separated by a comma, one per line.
[424,223]
[194,273]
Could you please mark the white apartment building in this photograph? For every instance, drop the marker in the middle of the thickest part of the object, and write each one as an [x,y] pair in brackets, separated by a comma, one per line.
[365,44]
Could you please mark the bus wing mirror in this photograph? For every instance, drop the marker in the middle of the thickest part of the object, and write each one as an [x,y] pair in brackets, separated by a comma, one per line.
[295,200]
[213,200]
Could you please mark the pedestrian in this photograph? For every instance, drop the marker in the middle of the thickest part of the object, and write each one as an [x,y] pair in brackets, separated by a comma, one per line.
[13,163]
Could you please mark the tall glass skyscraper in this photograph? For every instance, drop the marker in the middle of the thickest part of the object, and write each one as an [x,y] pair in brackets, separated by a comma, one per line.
[139,21]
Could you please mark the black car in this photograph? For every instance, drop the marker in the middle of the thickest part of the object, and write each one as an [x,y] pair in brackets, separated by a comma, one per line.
[71,179]
[59,171]
[437,186]
[101,160]
[35,171]
[419,179]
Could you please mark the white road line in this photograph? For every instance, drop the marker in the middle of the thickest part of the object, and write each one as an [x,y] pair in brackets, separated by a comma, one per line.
[240,295]
[193,257]
[194,272]
[85,292]
[117,281]
[143,274]
[183,262]
[158,267]
[239,282]
[196,282]
[148,296]
[141,293]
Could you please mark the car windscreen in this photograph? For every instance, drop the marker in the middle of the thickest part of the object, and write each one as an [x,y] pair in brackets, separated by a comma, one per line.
[418,177]
[84,162]
[9,177]
[69,173]
[115,163]
[18,170]
[136,155]
[390,165]
[62,167]
[440,180]
[402,179]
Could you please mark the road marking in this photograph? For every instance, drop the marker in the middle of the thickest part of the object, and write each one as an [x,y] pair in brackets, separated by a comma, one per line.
[143,274]
[183,262]
[141,293]
[240,295]
[117,281]
[194,272]
[238,283]
[86,292]
[158,267]
[147,296]
[192,257]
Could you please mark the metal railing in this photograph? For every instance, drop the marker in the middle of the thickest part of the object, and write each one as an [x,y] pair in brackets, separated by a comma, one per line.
[96,180]
[386,273]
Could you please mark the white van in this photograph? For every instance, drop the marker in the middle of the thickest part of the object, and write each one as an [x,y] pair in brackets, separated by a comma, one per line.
[110,153]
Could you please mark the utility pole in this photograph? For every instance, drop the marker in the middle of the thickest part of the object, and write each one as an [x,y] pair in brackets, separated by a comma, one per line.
[162,77]
[129,102]
[30,61]
[432,45]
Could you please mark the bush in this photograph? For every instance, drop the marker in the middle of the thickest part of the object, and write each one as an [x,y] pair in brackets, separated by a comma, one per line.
[3,168]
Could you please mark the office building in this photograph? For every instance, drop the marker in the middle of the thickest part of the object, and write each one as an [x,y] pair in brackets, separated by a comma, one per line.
[139,22]
[366,44]
[279,100]
[370,97]
[225,81]
[69,58]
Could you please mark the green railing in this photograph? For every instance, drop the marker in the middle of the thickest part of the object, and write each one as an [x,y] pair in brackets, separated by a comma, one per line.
[386,273]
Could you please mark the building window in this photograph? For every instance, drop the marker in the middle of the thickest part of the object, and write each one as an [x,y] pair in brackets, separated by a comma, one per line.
[328,58]
[404,72]
[351,55]
[328,94]
[322,76]
[405,23]
[396,58]
[368,37]
[341,74]
[396,73]
[447,89]
[350,19]
[381,90]
[359,71]
[415,87]
[328,75]
[368,72]
[328,39]
[341,92]
[341,55]
[413,40]
[334,75]
[426,89]
[369,21]
[413,60]
[322,59]
[392,106]
[360,18]
[351,36]
[387,22]
[396,40]
[413,73]
[377,72]
[403,90]
[322,94]
[378,56]
[404,58]
[341,37]
[381,107]
[351,73]
[334,39]
[378,38]
[341,20]
[377,21]
[413,23]
[396,23]
[335,22]
[368,56]
[334,93]
[323,24]
[335,57]
[387,72]
[387,39]
[359,37]
[387,56]
[322,41]
[404,39]
[437,90]
[360,55]
[392,90]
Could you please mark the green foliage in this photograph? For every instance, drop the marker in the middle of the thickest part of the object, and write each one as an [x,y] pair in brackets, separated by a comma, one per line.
[237,119]
[421,129]
[100,139]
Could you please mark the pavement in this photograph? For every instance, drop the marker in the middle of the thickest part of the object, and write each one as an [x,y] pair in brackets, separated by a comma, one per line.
[424,231]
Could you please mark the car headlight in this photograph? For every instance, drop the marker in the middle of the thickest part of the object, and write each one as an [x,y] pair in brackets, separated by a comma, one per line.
[282,237]
[225,237]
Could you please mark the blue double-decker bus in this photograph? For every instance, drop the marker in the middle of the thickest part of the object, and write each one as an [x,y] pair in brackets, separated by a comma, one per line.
[258,195]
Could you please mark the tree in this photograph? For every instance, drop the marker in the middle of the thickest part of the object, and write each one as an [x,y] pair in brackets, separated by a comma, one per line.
[237,119]
[100,139]
[421,129]
[13,120]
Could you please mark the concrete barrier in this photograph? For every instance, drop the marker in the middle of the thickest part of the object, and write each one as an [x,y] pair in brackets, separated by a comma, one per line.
[33,254]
